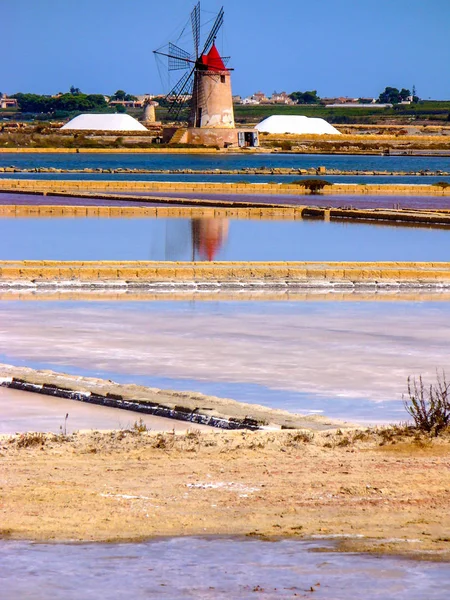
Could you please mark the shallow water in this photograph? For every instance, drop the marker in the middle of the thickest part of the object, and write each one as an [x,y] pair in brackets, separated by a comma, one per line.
[217,239]
[379,179]
[196,568]
[26,411]
[230,161]
[390,164]
[339,200]
[348,360]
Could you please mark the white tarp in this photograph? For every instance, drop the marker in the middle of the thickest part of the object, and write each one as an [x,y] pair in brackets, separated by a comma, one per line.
[105,122]
[296,124]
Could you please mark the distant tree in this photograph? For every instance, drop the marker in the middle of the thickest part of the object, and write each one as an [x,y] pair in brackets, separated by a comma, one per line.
[405,94]
[122,96]
[389,96]
[69,102]
[415,97]
[96,101]
[120,108]
[392,95]
[74,90]
[119,95]
[33,103]
[83,102]
[310,97]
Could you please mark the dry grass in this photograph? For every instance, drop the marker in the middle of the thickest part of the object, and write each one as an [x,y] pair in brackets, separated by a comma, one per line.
[194,440]
[31,439]
[129,484]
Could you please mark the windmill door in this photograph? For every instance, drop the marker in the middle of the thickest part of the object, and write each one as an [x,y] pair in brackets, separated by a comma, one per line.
[248,139]
[198,122]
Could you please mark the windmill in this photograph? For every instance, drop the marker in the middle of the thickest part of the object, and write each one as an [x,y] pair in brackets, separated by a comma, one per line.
[206,78]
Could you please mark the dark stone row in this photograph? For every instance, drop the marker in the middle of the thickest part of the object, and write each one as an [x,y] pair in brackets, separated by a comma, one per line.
[179,413]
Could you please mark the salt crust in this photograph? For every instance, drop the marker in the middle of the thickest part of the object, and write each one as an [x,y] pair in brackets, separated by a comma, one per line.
[95,122]
[296,124]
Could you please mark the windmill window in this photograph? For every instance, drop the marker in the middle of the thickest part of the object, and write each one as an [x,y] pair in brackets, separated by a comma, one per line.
[222,79]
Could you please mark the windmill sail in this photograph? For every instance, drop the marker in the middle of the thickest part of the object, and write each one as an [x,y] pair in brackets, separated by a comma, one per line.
[177,95]
[204,95]
[179,59]
[214,31]
[195,20]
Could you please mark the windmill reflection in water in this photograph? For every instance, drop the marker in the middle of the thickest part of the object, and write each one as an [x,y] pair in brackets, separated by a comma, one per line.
[200,239]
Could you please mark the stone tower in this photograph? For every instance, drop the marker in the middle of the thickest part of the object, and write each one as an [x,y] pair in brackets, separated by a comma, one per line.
[212,103]
[149,112]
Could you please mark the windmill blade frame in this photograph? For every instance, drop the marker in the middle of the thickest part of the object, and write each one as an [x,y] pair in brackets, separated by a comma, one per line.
[179,59]
[195,21]
[182,88]
[214,31]
[174,56]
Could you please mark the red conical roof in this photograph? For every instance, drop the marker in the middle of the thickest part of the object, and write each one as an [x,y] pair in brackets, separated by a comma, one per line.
[213,60]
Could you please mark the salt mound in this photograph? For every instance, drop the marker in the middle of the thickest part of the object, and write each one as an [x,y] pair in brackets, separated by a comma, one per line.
[296,124]
[105,122]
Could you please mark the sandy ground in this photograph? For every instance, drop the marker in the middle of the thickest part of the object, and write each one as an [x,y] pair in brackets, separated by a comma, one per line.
[387,497]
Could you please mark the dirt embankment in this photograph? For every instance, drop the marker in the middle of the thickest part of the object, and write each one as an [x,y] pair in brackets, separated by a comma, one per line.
[388,490]
[17,137]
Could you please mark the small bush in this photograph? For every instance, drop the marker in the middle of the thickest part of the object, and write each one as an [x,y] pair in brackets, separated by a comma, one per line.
[299,437]
[286,146]
[429,406]
[193,434]
[313,185]
[30,439]
[344,442]
[139,426]
[360,436]
[164,441]
[191,441]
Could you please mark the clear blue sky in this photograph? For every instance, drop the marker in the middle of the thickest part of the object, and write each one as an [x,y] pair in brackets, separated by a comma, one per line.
[338,47]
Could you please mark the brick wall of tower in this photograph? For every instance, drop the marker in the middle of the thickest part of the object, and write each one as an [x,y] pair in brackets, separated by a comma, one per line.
[212,103]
